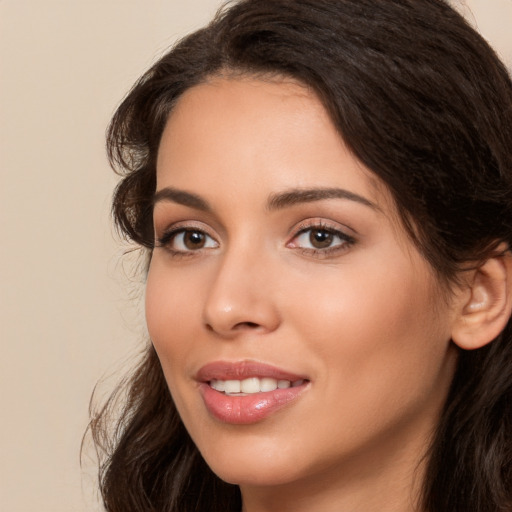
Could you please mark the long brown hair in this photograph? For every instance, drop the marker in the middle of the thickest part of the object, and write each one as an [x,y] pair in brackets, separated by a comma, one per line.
[422,100]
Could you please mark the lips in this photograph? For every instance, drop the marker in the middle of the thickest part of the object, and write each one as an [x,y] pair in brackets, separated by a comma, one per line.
[247,392]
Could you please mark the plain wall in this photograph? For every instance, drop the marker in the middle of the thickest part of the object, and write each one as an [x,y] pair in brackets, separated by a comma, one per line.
[68,311]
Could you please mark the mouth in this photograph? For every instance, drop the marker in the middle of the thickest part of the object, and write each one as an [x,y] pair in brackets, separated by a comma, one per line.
[248,392]
[252,385]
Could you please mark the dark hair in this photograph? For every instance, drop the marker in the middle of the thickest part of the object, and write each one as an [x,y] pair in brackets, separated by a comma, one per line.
[424,103]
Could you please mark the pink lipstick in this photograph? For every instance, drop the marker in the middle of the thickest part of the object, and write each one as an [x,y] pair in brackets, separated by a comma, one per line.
[247,392]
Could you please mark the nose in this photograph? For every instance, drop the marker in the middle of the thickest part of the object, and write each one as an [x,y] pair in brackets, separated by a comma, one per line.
[241,297]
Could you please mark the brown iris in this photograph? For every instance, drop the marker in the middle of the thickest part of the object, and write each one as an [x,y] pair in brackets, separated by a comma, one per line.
[194,239]
[320,238]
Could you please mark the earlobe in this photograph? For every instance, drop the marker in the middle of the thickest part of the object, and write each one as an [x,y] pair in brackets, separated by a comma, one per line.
[487,304]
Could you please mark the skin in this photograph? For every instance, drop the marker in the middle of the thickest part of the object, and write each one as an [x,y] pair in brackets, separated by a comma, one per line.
[362,318]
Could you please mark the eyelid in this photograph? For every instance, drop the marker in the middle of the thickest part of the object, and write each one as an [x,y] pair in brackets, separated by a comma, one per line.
[322,225]
[167,235]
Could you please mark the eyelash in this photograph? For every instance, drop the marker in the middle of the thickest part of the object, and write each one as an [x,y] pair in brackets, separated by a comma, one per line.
[346,241]
[165,241]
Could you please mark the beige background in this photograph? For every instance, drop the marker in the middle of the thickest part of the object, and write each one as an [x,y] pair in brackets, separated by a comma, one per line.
[69,312]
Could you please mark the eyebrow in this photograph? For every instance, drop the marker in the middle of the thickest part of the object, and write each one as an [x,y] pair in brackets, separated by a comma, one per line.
[182,197]
[275,202]
[309,195]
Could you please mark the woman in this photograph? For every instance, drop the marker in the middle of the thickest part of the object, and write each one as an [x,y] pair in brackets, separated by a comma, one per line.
[324,192]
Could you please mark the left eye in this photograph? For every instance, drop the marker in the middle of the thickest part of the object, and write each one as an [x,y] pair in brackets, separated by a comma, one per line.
[320,238]
[187,240]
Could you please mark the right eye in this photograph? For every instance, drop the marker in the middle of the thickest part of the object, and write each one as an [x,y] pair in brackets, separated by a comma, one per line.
[186,240]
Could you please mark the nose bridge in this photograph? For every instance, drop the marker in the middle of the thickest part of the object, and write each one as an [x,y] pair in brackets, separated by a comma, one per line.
[240,295]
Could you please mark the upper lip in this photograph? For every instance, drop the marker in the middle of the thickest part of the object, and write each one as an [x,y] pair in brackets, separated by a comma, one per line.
[225,370]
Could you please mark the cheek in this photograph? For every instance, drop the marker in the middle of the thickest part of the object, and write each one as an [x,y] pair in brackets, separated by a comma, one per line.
[170,313]
[380,355]
[171,317]
[374,328]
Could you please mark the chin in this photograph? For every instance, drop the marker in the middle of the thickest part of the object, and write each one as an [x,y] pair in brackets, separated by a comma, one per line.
[252,464]
[253,474]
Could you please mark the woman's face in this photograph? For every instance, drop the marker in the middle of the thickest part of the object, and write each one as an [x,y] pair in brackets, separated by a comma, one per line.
[280,262]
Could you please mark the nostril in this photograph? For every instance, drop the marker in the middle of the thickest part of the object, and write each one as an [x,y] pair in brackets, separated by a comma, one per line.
[246,325]
[239,326]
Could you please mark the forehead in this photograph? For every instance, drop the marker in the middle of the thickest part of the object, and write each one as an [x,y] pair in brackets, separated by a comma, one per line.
[257,135]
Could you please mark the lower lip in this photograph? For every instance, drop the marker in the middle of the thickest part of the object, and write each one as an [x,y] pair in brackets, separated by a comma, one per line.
[247,409]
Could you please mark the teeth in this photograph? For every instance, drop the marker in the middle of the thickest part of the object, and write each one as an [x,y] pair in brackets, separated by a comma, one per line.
[267,384]
[232,386]
[218,385]
[252,385]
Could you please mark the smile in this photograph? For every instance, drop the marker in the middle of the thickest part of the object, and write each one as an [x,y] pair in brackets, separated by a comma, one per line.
[252,385]
[247,392]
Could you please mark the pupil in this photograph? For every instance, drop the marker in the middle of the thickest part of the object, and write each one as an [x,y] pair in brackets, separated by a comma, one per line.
[194,240]
[320,238]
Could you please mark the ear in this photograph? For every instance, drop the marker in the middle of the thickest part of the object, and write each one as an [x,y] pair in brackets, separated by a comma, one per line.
[486,303]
